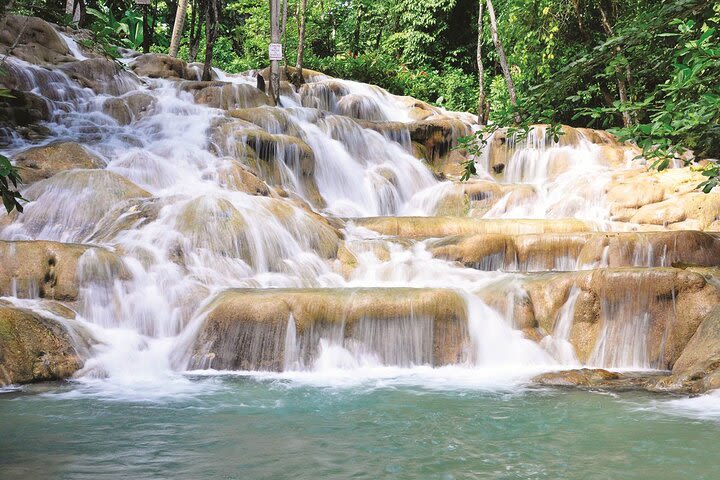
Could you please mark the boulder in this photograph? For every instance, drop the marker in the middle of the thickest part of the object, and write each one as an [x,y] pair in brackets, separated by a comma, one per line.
[37,41]
[101,76]
[697,370]
[38,163]
[69,205]
[269,155]
[35,348]
[158,65]
[248,328]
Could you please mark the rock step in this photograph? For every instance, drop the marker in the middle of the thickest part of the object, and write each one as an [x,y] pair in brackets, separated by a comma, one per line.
[269,329]
[644,315]
[433,227]
[580,250]
[45,269]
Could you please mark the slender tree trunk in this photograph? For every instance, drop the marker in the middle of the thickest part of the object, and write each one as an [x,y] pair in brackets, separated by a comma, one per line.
[358,26]
[147,34]
[283,26]
[195,32]
[178,27]
[76,8]
[481,69]
[283,35]
[300,79]
[275,38]
[502,57]
[621,85]
[211,26]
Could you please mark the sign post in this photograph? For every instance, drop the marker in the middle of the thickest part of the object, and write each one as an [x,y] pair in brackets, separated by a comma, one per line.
[275,51]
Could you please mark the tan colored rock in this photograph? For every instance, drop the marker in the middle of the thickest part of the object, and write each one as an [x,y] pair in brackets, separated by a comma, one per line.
[247,329]
[635,194]
[426,227]
[227,96]
[360,107]
[237,176]
[584,377]
[268,119]
[660,213]
[697,370]
[265,153]
[52,269]
[37,41]
[129,107]
[651,249]
[158,65]
[73,202]
[675,301]
[34,348]
[594,378]
[38,163]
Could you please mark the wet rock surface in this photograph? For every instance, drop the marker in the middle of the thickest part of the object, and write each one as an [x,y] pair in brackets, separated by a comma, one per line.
[246,329]
[39,163]
[596,379]
[34,348]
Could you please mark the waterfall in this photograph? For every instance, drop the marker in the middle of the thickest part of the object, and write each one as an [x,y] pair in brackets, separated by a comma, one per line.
[212,210]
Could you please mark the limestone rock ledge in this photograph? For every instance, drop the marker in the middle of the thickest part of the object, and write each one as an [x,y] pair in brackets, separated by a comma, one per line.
[247,329]
[35,348]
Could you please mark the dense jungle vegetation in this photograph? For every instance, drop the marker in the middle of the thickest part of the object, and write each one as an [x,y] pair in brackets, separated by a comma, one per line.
[650,70]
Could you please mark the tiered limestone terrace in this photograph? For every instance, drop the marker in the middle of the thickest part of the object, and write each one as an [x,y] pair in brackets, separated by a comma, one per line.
[332,231]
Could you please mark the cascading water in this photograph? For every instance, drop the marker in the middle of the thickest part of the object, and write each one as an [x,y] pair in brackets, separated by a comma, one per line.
[173,211]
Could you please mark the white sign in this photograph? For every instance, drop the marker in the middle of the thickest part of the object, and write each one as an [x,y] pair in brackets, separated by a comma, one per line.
[275,51]
[142,2]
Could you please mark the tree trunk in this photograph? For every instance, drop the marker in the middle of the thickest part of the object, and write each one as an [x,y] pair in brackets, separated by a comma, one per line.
[76,8]
[178,27]
[502,57]
[211,26]
[300,79]
[481,70]
[275,38]
[283,27]
[356,34]
[147,34]
[195,32]
[621,85]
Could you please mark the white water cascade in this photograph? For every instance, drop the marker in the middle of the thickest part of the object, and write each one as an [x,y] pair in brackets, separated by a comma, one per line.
[255,220]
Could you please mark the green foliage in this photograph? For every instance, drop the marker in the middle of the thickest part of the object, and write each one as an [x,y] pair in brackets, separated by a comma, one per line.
[682,116]
[126,30]
[9,181]
[9,177]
